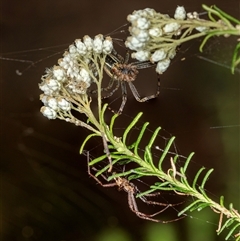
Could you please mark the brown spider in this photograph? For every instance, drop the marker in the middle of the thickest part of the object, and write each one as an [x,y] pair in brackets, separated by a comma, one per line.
[123,72]
[132,191]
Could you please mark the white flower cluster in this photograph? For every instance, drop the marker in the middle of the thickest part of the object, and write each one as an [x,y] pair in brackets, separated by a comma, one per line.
[53,106]
[147,26]
[73,75]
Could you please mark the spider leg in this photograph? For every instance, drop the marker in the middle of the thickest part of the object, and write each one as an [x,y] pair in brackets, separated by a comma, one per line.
[144,199]
[144,99]
[110,85]
[97,180]
[134,208]
[106,149]
[113,90]
[124,97]
[154,202]
[125,61]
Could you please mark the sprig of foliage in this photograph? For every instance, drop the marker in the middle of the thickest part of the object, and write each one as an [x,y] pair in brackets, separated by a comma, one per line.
[174,179]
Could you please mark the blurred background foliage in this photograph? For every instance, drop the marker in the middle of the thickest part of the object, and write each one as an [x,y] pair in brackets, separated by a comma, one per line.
[46,193]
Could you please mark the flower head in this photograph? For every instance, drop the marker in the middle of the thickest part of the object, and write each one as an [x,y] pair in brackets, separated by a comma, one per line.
[65,85]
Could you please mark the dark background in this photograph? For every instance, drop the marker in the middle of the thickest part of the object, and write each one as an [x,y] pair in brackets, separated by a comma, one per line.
[46,193]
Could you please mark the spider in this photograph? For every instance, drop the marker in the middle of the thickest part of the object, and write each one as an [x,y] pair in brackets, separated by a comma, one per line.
[132,191]
[123,72]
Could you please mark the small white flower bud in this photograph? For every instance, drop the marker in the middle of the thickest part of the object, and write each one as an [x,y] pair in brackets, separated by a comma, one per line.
[158,55]
[190,15]
[162,66]
[53,84]
[47,91]
[132,17]
[171,27]
[155,32]
[52,103]
[72,49]
[201,28]
[48,112]
[172,54]
[98,44]
[67,61]
[59,73]
[85,75]
[88,43]
[195,15]
[81,48]
[180,13]
[133,43]
[141,55]
[44,98]
[141,35]
[149,11]
[63,104]
[141,23]
[107,45]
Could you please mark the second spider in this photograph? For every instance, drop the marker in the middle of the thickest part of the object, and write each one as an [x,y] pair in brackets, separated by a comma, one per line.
[123,72]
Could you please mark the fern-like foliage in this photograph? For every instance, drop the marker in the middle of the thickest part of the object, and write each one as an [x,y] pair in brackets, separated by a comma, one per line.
[174,178]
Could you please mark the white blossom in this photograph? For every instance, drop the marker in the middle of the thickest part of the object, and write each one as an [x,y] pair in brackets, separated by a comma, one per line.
[141,23]
[46,90]
[141,55]
[149,12]
[201,28]
[141,35]
[81,48]
[67,61]
[171,27]
[158,55]
[85,75]
[162,66]
[180,13]
[107,45]
[193,15]
[59,73]
[155,32]
[133,43]
[52,103]
[88,43]
[172,54]
[48,112]
[53,84]
[44,99]
[72,49]
[98,44]
[70,64]
[190,15]
[141,13]
[73,72]
[132,17]
[63,104]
